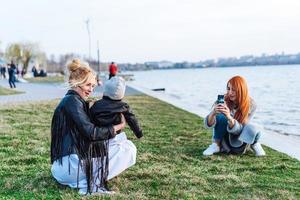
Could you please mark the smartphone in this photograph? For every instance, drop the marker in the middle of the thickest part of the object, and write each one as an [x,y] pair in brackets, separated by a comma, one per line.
[220,99]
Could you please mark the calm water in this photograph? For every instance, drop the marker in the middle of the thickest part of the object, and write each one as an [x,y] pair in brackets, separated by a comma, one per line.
[276,90]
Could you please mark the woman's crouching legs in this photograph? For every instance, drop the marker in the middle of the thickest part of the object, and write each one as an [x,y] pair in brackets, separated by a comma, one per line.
[251,135]
[218,134]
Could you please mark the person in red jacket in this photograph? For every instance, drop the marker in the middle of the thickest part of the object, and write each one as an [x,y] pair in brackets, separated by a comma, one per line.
[113,69]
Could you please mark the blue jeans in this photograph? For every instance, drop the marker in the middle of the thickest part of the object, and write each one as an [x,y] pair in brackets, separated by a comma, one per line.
[11,82]
[221,129]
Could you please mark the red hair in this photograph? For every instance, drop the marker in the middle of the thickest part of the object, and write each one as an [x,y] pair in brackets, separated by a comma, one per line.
[242,101]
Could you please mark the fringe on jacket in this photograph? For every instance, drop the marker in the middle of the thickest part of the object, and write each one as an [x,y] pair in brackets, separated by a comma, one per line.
[90,153]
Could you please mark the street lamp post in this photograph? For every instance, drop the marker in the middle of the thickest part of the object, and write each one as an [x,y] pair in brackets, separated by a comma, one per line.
[98,55]
[89,34]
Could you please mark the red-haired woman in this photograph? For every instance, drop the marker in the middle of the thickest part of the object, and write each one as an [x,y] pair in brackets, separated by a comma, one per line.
[232,130]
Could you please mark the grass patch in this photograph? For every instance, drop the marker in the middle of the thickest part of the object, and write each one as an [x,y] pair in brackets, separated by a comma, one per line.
[6,91]
[47,79]
[169,165]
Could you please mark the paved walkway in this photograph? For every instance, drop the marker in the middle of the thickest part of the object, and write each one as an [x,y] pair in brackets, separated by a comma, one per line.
[38,92]
[33,92]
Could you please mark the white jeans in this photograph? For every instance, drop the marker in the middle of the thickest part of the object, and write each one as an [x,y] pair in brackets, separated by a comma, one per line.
[122,155]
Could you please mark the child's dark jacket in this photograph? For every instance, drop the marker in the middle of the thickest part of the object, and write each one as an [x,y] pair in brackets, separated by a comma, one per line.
[107,112]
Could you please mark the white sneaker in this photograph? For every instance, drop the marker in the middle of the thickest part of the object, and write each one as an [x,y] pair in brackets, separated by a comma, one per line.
[213,148]
[100,191]
[259,151]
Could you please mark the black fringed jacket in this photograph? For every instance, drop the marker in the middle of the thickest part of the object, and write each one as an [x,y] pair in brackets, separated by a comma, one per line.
[107,111]
[73,132]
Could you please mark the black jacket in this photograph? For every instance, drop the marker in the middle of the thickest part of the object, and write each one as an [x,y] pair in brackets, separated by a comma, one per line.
[107,112]
[72,127]
[73,132]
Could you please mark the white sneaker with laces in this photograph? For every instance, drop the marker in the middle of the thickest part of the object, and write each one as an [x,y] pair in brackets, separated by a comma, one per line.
[257,148]
[100,191]
[213,148]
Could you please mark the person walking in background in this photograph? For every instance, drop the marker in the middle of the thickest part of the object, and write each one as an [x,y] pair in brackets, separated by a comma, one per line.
[23,72]
[113,69]
[12,75]
[18,72]
[3,71]
[230,121]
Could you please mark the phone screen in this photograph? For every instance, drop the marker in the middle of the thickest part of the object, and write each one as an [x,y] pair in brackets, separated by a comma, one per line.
[220,98]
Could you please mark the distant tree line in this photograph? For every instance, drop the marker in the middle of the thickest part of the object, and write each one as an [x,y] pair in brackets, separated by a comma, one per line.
[277,59]
[24,53]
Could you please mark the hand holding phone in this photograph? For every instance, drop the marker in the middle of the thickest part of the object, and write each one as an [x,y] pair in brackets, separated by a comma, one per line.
[218,107]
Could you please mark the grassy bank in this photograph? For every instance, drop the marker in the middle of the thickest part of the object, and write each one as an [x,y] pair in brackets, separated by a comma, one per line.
[48,79]
[6,91]
[169,165]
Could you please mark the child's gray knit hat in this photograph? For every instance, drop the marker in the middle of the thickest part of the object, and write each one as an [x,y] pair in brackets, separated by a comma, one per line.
[114,88]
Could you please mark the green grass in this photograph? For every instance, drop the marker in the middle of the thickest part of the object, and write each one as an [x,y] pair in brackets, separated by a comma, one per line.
[169,165]
[6,91]
[47,79]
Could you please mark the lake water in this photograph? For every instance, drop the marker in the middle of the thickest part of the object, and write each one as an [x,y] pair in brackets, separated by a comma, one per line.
[276,90]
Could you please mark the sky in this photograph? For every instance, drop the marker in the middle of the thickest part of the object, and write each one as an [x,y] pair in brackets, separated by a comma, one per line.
[154,30]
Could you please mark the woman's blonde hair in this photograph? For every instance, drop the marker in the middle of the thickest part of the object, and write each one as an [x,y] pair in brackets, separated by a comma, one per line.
[243,99]
[79,73]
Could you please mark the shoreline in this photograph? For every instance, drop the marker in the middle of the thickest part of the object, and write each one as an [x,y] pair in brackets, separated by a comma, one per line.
[283,143]
[288,144]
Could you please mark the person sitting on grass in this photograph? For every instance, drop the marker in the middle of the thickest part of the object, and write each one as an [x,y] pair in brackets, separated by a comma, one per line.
[83,155]
[230,121]
[107,110]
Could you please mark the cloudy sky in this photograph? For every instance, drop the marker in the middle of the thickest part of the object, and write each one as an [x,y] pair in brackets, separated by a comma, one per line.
[154,30]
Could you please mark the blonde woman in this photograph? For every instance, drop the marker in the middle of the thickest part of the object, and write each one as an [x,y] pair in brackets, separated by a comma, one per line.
[83,155]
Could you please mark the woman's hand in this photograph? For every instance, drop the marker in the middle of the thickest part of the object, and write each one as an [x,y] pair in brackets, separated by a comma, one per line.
[121,125]
[211,119]
[216,110]
[91,102]
[222,108]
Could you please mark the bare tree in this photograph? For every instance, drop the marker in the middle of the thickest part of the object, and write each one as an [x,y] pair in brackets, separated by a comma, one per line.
[29,51]
[24,52]
[13,52]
